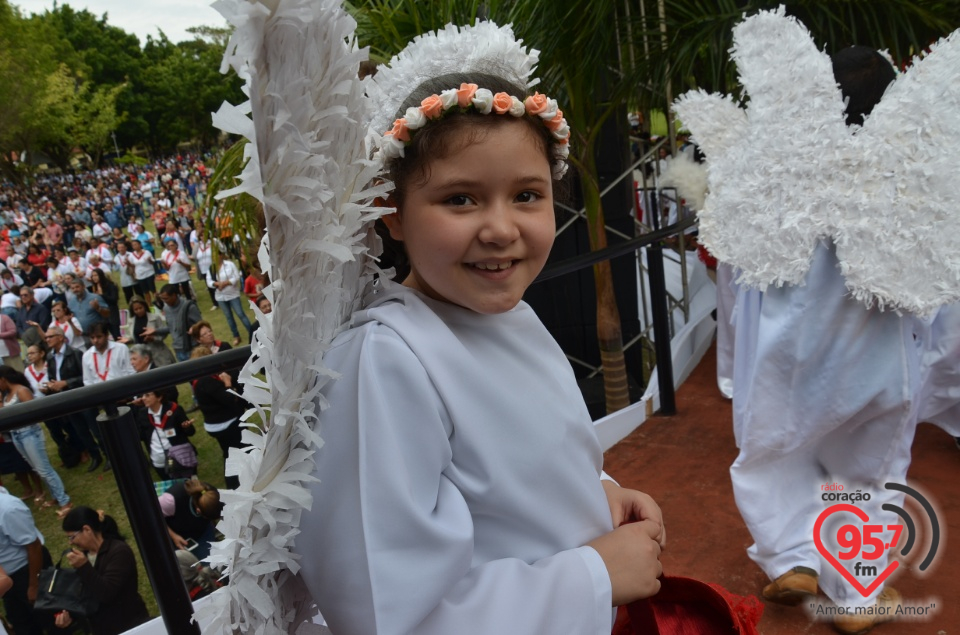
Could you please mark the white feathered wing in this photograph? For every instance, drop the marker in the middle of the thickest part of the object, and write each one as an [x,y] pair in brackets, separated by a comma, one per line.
[308,166]
[795,173]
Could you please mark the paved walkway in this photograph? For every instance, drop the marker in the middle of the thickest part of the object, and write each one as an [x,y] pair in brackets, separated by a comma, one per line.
[683,461]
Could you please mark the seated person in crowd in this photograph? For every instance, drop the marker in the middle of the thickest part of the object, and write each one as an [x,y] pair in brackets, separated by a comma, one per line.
[191,509]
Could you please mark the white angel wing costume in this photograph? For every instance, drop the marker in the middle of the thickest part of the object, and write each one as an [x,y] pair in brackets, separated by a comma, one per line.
[786,171]
[309,167]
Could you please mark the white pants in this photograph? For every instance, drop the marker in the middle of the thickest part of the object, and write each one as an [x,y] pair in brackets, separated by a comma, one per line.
[825,391]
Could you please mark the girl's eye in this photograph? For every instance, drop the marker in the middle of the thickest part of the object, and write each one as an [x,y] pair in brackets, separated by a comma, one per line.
[459,200]
[527,197]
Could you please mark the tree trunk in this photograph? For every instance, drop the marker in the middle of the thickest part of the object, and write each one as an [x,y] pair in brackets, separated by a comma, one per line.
[616,390]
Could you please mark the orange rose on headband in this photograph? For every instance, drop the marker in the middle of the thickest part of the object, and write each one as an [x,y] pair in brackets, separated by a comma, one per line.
[502,103]
[465,94]
[554,124]
[535,104]
[400,132]
[432,106]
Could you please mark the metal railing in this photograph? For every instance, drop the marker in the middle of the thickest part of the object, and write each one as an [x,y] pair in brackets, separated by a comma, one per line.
[647,183]
[122,447]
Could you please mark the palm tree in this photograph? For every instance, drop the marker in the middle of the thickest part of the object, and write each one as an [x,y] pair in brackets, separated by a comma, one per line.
[386,26]
[239,215]
[585,62]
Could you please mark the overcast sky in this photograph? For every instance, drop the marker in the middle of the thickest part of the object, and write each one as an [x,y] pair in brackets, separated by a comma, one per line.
[141,17]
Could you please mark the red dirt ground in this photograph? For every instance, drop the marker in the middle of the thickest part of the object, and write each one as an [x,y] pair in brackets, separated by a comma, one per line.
[683,461]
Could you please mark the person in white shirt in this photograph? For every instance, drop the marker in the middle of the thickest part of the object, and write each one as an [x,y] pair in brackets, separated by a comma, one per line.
[143,270]
[13,260]
[195,238]
[74,264]
[102,249]
[104,360]
[178,264]
[41,295]
[101,228]
[203,254]
[54,279]
[8,303]
[64,319]
[170,233]
[228,293]
[9,280]
[95,264]
[125,266]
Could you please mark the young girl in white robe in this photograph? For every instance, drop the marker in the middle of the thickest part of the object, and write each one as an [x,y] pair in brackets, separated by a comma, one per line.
[459,488]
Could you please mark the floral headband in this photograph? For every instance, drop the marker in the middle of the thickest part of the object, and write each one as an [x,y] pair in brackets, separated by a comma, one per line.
[485,102]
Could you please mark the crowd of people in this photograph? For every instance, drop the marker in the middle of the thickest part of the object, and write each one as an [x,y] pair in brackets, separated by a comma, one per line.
[96,277]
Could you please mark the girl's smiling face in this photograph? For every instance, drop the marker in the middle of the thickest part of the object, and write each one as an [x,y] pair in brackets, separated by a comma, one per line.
[479,229]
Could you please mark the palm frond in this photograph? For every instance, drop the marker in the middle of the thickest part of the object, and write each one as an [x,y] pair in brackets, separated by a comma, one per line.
[235,215]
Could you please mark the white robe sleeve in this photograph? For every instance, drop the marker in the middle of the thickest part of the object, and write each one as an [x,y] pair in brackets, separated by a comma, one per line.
[388,547]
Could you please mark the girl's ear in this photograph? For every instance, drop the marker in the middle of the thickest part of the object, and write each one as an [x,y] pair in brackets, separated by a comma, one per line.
[394,225]
[392,221]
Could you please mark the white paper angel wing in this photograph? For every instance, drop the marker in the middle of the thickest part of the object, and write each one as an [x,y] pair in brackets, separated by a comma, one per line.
[897,241]
[308,166]
[795,173]
[760,215]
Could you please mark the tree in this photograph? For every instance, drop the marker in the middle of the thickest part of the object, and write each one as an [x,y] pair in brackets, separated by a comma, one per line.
[105,55]
[580,64]
[27,60]
[386,26]
[96,112]
[179,87]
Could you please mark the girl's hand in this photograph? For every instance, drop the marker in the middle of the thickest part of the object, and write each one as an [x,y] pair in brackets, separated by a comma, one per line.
[629,505]
[632,557]
[62,619]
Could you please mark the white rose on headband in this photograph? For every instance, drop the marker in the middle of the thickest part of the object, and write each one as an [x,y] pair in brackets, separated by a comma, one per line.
[558,169]
[449,98]
[563,150]
[415,118]
[562,132]
[551,110]
[483,101]
[517,109]
[391,148]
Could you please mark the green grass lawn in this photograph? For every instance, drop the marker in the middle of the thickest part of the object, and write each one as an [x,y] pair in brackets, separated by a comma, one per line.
[99,489]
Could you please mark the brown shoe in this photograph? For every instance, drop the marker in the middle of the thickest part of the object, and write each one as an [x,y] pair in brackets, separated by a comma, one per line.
[793,587]
[883,610]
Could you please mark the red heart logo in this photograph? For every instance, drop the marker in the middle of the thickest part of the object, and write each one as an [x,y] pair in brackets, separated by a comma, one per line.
[862,515]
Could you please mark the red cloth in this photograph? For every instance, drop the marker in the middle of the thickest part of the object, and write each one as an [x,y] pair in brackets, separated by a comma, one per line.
[689,607]
[706,257]
[252,288]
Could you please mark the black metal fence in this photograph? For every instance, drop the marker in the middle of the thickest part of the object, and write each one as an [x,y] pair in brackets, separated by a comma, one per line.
[122,446]
[130,466]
